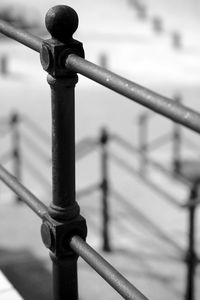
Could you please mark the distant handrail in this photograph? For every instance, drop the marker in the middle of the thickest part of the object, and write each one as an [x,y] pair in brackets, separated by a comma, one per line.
[158,142]
[39,131]
[30,143]
[85,147]
[124,143]
[87,190]
[5,157]
[149,182]
[149,223]
[195,147]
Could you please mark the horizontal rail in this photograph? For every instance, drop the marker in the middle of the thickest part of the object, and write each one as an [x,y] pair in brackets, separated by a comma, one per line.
[121,163]
[104,269]
[121,141]
[33,146]
[21,36]
[162,105]
[33,126]
[146,221]
[4,158]
[190,144]
[25,195]
[87,191]
[158,142]
[85,147]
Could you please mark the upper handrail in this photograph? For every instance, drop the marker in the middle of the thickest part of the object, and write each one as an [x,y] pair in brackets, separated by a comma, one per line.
[21,36]
[156,102]
[160,104]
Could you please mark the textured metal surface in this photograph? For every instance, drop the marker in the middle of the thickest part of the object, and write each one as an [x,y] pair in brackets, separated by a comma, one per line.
[162,105]
[21,36]
[105,270]
[25,195]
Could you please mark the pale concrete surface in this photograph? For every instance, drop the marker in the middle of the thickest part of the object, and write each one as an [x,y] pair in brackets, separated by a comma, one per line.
[7,291]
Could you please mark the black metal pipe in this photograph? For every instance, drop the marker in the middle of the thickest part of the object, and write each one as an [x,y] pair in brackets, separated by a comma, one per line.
[35,204]
[21,36]
[105,270]
[162,105]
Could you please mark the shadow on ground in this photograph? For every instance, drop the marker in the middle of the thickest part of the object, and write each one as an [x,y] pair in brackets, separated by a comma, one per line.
[27,274]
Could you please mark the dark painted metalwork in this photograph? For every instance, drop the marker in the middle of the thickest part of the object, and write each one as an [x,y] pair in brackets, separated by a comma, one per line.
[21,36]
[25,195]
[104,140]
[162,105]
[64,229]
[191,256]
[104,269]
[16,154]
[65,220]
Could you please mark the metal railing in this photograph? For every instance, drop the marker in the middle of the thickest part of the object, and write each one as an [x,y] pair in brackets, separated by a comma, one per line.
[64,229]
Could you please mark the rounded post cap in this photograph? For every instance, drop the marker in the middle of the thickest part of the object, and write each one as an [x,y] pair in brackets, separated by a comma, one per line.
[61,22]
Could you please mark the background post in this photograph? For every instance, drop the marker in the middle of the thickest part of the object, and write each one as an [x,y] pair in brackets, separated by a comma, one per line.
[143,142]
[16,153]
[62,22]
[191,256]
[104,139]
[176,144]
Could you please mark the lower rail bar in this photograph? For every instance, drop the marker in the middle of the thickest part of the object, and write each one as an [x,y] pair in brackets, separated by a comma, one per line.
[110,274]
[25,195]
[162,105]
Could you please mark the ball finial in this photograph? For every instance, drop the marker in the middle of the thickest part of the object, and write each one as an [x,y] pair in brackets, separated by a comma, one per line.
[61,22]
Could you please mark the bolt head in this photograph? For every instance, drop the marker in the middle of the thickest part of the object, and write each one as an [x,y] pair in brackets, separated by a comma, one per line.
[46,57]
[46,235]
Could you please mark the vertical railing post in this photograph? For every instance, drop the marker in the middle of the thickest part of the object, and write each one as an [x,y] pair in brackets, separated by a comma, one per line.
[143,142]
[62,22]
[191,256]
[176,144]
[104,140]
[16,155]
